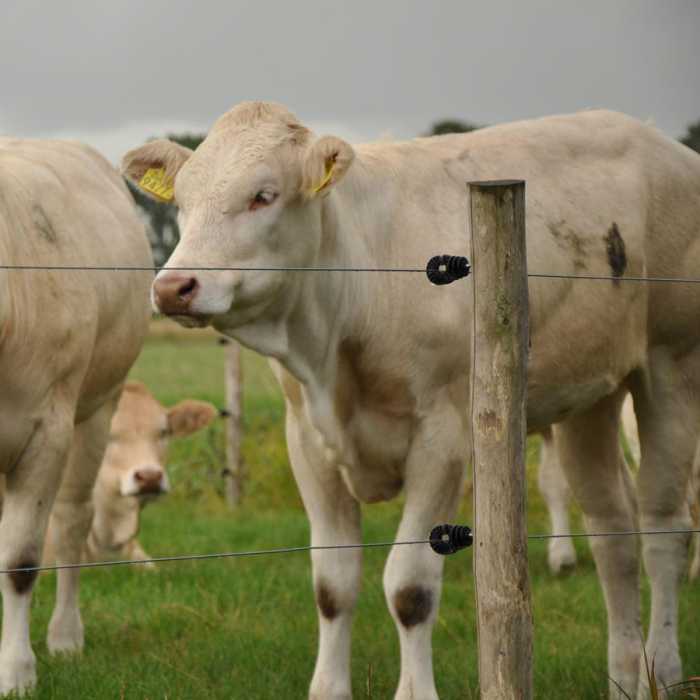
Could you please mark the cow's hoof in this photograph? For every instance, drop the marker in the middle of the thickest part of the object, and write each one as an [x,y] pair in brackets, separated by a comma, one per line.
[667,672]
[330,696]
[66,635]
[17,676]
[329,691]
[561,556]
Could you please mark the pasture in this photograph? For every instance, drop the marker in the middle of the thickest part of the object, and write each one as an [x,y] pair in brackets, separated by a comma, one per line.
[246,628]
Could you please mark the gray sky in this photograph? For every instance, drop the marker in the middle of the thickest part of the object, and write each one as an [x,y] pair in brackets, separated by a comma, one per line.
[116,72]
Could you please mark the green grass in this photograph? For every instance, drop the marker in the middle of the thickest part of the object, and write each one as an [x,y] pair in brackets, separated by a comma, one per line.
[246,628]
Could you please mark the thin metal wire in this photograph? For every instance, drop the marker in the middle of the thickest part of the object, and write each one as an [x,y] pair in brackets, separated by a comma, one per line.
[614,534]
[681,280]
[310,548]
[541,275]
[120,268]
[214,555]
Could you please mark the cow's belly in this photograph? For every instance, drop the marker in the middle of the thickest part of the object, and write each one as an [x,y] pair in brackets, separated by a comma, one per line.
[373,461]
[548,403]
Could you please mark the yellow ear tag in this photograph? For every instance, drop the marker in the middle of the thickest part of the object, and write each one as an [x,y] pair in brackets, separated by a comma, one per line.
[330,164]
[157,183]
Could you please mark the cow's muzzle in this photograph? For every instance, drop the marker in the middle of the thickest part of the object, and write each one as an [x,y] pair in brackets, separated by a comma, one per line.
[174,292]
[149,482]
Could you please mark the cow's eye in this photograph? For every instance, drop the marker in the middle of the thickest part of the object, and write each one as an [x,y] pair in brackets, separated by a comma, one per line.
[262,199]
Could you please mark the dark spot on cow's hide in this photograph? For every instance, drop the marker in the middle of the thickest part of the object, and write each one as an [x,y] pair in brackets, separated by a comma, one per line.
[413,605]
[43,225]
[570,241]
[617,257]
[326,601]
[23,580]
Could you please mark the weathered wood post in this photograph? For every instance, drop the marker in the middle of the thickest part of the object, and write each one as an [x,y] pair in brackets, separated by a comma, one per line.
[233,379]
[499,381]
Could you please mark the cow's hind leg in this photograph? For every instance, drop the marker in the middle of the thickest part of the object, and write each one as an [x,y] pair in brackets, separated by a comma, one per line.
[334,516]
[668,415]
[413,573]
[694,500]
[30,489]
[70,523]
[589,450]
[561,555]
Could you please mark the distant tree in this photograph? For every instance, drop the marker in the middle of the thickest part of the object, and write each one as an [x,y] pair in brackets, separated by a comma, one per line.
[160,217]
[692,137]
[187,139]
[451,126]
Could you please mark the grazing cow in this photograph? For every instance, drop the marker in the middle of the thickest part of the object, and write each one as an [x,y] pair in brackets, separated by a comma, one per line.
[67,341]
[133,470]
[561,554]
[375,367]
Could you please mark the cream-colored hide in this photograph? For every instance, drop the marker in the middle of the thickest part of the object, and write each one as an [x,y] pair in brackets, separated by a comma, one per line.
[561,554]
[375,366]
[133,471]
[67,341]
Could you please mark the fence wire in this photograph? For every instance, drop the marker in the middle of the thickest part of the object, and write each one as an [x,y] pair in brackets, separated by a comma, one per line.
[156,269]
[311,548]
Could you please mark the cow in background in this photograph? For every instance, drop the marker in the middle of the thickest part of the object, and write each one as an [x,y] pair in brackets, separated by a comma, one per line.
[67,341]
[375,367]
[133,470]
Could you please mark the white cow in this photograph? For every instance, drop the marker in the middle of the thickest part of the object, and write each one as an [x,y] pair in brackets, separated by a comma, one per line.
[133,470]
[561,554]
[67,341]
[375,366]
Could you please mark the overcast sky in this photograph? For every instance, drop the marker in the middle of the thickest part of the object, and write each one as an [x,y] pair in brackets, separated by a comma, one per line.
[114,73]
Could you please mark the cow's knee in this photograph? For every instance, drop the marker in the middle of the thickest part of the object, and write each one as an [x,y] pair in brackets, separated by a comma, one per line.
[412,604]
[24,574]
[334,597]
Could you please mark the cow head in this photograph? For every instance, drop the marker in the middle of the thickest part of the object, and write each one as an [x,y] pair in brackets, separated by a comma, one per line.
[249,196]
[133,469]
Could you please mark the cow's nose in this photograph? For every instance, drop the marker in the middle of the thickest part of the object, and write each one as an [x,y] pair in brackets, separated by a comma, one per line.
[149,480]
[173,293]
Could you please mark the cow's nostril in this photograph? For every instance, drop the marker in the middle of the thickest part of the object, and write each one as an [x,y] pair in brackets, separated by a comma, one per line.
[187,290]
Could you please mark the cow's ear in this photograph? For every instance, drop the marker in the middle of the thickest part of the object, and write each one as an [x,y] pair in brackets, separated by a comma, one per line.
[326,162]
[153,167]
[189,416]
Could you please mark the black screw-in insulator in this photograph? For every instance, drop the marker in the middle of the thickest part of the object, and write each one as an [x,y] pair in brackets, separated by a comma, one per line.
[222,340]
[224,413]
[448,539]
[443,269]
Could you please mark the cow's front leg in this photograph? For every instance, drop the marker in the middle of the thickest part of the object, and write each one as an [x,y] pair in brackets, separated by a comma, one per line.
[30,490]
[413,573]
[554,488]
[335,519]
[70,525]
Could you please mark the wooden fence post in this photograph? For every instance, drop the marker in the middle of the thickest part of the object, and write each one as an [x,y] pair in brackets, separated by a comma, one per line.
[499,381]
[233,380]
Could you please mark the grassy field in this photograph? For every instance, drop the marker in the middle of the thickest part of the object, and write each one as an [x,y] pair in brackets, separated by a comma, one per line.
[246,628]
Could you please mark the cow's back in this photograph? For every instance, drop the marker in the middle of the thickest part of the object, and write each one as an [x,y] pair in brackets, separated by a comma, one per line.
[606,196]
[61,204]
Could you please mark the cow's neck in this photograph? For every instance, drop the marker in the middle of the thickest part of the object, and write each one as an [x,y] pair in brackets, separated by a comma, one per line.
[323,309]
